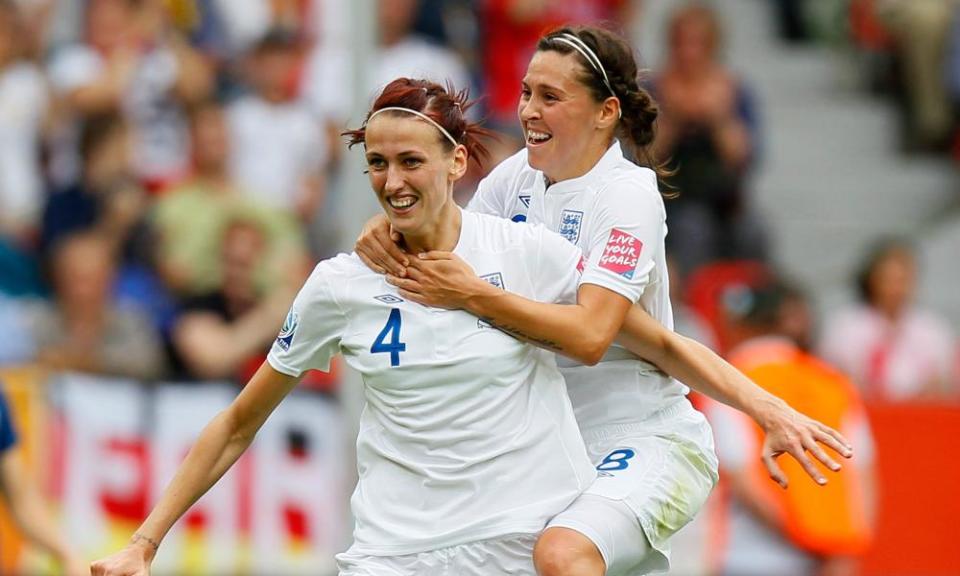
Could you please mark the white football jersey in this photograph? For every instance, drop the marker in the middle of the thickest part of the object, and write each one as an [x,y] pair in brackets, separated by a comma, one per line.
[467,433]
[615,214]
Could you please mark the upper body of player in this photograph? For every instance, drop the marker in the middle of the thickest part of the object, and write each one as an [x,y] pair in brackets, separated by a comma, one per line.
[573,177]
[580,100]
[467,433]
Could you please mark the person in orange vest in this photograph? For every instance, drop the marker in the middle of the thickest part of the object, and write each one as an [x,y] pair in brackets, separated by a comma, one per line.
[760,528]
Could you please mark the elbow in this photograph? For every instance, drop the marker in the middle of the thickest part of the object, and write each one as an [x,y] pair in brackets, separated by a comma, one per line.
[591,351]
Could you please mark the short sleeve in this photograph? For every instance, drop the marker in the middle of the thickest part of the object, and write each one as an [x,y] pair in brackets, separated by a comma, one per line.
[495,190]
[311,333]
[556,275]
[626,234]
[486,199]
[8,437]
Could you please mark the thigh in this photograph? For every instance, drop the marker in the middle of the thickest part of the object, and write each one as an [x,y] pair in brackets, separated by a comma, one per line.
[647,488]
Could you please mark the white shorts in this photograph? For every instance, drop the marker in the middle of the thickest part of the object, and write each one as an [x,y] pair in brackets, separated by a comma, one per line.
[652,478]
[511,554]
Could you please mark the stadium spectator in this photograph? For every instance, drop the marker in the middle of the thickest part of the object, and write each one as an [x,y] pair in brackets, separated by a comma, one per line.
[921,32]
[511,29]
[107,196]
[805,529]
[132,63]
[190,218]
[23,104]
[401,52]
[225,333]
[278,150]
[708,131]
[893,349]
[82,328]
[24,501]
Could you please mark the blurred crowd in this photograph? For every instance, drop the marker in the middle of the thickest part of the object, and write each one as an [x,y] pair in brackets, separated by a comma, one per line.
[170,170]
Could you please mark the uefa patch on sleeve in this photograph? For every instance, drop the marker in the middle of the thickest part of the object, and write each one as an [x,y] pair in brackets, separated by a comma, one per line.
[621,254]
[289,328]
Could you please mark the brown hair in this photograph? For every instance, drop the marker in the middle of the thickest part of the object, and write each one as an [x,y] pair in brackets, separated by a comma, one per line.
[445,106]
[639,110]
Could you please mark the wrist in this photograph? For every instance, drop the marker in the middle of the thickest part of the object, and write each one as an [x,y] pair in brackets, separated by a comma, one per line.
[479,295]
[146,545]
[767,409]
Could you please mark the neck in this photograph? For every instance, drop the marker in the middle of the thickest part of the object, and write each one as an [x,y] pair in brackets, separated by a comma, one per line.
[587,161]
[442,236]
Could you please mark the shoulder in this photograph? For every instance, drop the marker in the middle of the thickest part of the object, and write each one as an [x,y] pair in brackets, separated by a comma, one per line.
[512,167]
[501,235]
[342,265]
[929,324]
[630,185]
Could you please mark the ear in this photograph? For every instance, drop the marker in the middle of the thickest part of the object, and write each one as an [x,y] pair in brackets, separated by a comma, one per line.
[459,165]
[609,113]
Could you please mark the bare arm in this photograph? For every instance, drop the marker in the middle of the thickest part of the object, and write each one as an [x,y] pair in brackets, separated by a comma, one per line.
[31,515]
[220,444]
[582,331]
[786,430]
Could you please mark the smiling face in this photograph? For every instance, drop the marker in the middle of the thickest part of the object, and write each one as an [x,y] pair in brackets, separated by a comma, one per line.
[412,173]
[566,130]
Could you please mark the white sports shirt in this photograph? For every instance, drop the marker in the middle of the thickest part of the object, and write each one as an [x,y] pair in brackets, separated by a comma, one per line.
[615,214]
[467,433]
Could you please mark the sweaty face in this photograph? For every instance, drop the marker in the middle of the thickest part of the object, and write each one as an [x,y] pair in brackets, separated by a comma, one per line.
[412,172]
[558,116]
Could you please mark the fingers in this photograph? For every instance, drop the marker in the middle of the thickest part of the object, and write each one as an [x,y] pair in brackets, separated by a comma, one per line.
[834,440]
[769,460]
[369,262]
[412,296]
[404,284]
[378,249]
[808,466]
[821,455]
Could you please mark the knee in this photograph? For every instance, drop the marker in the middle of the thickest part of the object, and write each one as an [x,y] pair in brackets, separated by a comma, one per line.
[565,552]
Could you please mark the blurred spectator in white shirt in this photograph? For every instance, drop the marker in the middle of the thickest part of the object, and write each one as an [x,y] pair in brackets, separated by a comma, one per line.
[23,105]
[278,151]
[893,349]
[132,62]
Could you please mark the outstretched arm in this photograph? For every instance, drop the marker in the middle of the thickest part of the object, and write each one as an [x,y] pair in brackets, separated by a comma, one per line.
[786,430]
[220,444]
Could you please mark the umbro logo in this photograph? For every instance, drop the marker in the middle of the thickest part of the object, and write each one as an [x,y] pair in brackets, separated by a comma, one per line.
[388,299]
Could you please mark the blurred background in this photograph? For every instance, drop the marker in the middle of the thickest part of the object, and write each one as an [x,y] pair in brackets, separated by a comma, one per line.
[170,170]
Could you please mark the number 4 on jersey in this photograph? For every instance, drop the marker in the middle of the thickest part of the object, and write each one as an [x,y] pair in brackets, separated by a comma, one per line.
[395,346]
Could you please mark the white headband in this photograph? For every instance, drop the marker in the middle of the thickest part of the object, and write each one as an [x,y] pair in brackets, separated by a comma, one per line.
[590,56]
[421,115]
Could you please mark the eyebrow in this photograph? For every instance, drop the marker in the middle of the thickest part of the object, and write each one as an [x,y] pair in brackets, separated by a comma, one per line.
[543,86]
[400,154]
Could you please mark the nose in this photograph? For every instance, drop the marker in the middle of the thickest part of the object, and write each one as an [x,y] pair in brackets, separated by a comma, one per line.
[395,180]
[529,110]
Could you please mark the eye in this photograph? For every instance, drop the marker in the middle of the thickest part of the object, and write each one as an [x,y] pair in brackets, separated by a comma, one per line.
[376,164]
[550,97]
[411,162]
[525,93]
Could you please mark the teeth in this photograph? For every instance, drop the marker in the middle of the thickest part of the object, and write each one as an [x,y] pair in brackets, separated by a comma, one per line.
[534,136]
[405,202]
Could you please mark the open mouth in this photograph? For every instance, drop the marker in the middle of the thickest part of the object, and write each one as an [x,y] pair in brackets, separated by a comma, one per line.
[535,138]
[402,203]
